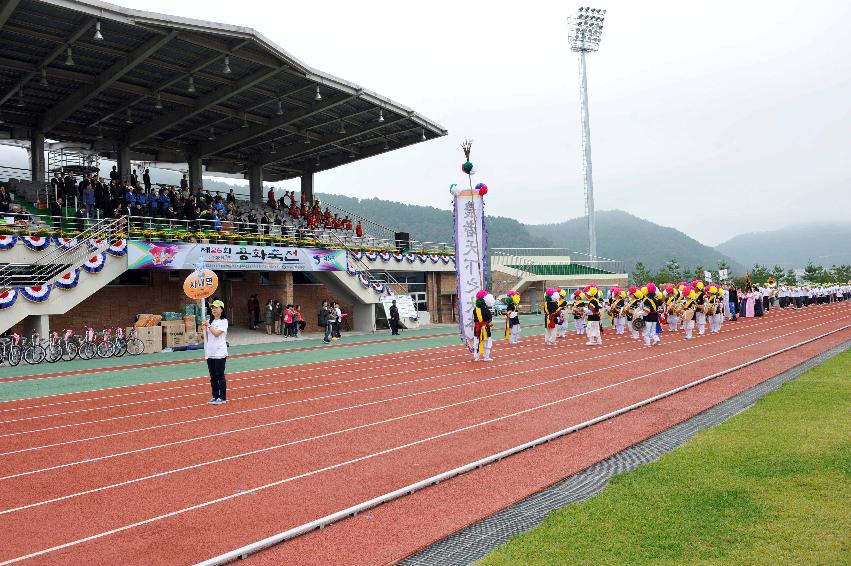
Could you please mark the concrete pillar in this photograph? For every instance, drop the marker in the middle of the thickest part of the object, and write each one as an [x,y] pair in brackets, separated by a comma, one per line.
[196,173]
[363,317]
[123,162]
[255,184]
[37,323]
[307,188]
[37,157]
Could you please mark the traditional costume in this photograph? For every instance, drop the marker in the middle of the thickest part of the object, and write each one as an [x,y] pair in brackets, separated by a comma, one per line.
[579,312]
[633,302]
[650,306]
[672,296]
[689,298]
[594,331]
[563,321]
[483,319]
[616,305]
[552,310]
[699,315]
[512,317]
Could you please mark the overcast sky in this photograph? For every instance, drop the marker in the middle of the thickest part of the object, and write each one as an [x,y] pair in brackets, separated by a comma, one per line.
[715,118]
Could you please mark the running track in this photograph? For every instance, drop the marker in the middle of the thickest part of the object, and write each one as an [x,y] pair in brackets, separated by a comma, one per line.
[151,474]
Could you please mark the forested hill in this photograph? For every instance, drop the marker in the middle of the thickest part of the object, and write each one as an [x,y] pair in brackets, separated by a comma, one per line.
[619,235]
[793,247]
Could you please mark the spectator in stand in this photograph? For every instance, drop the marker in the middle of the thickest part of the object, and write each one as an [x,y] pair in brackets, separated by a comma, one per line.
[55,210]
[89,199]
[130,198]
[231,198]
[57,184]
[184,183]
[269,316]
[270,198]
[134,179]
[347,224]
[114,175]
[164,201]
[80,216]
[146,179]
[5,200]
[70,187]
[101,196]
[359,230]
[149,208]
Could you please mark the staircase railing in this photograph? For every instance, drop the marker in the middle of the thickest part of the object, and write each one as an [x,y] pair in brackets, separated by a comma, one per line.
[97,238]
[389,281]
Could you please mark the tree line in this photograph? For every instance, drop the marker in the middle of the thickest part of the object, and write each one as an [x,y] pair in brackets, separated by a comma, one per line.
[813,274]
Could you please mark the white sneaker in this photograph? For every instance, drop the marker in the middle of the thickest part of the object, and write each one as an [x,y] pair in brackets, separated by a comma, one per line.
[219,402]
[211,401]
[487,359]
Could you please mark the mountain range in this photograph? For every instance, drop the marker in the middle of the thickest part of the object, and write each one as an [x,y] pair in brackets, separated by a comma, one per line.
[794,246]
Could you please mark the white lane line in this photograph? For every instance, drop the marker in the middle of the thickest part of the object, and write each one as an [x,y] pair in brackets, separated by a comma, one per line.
[399,418]
[157,364]
[559,355]
[290,479]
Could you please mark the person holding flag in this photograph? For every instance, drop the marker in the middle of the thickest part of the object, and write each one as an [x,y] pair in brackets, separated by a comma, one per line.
[483,321]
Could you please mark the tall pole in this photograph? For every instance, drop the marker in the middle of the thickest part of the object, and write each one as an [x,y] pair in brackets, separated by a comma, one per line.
[586,159]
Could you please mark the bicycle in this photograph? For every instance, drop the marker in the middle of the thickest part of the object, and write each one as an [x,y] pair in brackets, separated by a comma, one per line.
[62,347]
[130,343]
[34,352]
[10,349]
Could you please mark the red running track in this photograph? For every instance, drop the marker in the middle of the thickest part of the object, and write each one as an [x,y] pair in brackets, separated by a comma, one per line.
[151,474]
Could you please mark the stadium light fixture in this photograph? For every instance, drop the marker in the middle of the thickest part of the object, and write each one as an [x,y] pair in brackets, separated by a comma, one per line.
[212,135]
[129,119]
[100,132]
[274,150]
[191,87]
[423,137]
[244,119]
[43,81]
[386,144]
[380,115]
[342,129]
[98,35]
[585,29]
[20,102]
[280,110]
[317,161]
[226,67]
[159,104]
[306,139]
[69,58]
[318,95]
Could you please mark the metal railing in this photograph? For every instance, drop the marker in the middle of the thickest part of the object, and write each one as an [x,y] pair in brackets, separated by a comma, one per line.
[46,268]
[537,259]
[363,268]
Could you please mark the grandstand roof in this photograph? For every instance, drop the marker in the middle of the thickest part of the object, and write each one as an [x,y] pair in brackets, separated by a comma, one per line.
[264,111]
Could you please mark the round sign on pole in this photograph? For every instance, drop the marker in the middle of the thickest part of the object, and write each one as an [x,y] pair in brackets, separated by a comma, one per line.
[201,284]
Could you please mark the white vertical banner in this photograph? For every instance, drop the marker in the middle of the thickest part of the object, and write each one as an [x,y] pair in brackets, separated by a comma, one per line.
[471,249]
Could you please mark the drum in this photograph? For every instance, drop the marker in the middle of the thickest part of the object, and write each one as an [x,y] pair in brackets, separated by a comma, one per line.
[688,314]
[638,323]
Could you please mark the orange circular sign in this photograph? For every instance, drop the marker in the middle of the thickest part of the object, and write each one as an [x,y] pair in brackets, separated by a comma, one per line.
[201,284]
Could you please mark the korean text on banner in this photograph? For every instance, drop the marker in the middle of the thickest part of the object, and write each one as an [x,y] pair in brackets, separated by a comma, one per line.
[470,255]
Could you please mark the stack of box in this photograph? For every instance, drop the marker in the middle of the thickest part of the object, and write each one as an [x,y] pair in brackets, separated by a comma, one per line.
[152,336]
[174,333]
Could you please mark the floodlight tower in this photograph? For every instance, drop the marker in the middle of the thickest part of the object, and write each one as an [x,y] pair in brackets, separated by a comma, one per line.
[584,31]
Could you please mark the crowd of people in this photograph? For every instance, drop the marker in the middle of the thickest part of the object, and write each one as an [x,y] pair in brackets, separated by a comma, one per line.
[287,320]
[645,311]
[201,210]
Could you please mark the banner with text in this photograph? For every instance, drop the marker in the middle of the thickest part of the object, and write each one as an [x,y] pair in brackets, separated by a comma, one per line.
[471,250]
[228,257]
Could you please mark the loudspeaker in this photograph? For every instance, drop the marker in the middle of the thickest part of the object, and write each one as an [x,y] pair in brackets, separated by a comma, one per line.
[403,241]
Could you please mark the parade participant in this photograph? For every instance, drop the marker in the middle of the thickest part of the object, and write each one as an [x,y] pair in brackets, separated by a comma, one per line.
[632,303]
[616,305]
[552,310]
[651,314]
[712,304]
[512,317]
[579,312]
[483,319]
[671,295]
[699,314]
[593,309]
[689,298]
[563,320]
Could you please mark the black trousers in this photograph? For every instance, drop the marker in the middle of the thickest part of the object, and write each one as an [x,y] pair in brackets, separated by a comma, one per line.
[218,383]
[394,326]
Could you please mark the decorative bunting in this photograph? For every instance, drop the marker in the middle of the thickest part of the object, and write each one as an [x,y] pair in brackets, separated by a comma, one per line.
[7,242]
[371,256]
[357,255]
[351,270]
[66,243]
[363,280]
[36,243]
[69,279]
[95,263]
[411,257]
[8,298]
[444,259]
[385,256]
[36,293]
[117,249]
[398,257]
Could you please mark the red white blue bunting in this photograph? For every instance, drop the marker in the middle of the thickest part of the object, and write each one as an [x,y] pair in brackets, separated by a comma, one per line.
[385,256]
[66,243]
[36,293]
[69,279]
[363,280]
[398,257]
[434,258]
[7,242]
[117,249]
[95,263]
[8,298]
[379,287]
[36,243]
[445,258]
[371,256]
[95,245]
[351,270]
[411,257]
[357,255]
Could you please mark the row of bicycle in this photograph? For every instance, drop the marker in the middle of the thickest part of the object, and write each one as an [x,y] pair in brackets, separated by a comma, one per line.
[67,346]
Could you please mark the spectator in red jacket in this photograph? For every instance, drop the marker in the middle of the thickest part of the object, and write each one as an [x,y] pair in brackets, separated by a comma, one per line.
[359,230]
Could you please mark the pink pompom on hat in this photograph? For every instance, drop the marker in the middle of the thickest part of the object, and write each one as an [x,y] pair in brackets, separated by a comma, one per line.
[651,288]
[481,294]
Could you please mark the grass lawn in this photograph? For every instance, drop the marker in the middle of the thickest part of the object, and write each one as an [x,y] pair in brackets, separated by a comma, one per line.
[770,486]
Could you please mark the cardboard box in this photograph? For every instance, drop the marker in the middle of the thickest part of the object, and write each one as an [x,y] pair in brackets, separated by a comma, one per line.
[153,345]
[192,338]
[173,327]
[147,332]
[173,340]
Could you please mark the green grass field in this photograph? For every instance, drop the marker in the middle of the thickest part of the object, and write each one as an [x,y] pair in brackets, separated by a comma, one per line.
[770,486]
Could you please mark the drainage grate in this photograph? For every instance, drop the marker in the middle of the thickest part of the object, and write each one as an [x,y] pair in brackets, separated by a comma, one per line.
[474,542]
